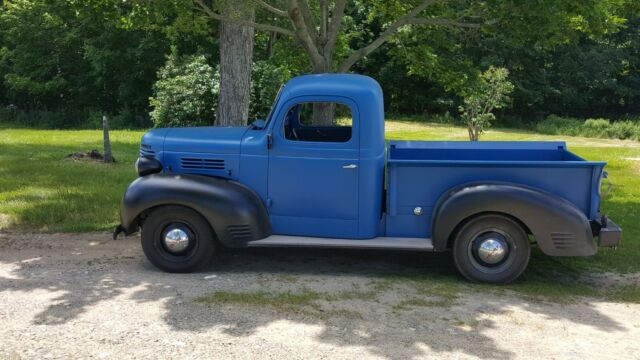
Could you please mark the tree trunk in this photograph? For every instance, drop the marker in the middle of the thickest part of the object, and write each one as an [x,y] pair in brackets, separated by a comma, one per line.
[236,58]
[323,114]
[106,143]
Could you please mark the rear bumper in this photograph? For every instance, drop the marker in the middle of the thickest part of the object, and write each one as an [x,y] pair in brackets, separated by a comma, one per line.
[609,234]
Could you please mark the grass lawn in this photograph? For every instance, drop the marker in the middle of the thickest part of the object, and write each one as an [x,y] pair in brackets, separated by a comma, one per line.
[41,191]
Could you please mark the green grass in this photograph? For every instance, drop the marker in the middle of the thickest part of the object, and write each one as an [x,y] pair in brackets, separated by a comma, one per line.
[41,191]
[305,302]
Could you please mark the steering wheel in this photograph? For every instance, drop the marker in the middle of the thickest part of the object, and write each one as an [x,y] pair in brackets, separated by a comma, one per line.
[295,134]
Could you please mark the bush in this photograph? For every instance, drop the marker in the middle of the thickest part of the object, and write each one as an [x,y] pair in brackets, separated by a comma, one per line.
[186,93]
[598,128]
[624,130]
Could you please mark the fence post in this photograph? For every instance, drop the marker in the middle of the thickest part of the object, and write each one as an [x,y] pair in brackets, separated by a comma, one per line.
[108,157]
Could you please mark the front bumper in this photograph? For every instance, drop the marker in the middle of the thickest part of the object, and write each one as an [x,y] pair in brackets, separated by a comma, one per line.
[609,234]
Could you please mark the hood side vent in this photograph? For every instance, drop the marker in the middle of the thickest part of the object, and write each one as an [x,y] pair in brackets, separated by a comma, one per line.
[201,164]
[145,150]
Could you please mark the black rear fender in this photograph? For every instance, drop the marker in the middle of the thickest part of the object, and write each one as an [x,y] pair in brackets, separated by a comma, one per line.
[235,212]
[560,229]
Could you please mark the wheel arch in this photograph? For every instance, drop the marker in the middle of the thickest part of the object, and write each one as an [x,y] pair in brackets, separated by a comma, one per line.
[559,228]
[457,228]
[234,212]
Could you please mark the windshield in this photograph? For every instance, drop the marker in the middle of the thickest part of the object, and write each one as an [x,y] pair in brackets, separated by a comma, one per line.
[273,107]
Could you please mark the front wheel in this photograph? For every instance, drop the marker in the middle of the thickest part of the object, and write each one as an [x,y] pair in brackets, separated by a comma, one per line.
[491,248]
[177,239]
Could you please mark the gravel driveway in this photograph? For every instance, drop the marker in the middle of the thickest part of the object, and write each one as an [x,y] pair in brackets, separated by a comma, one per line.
[86,296]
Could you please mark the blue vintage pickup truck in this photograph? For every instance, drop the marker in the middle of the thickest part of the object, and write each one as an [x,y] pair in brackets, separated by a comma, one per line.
[318,173]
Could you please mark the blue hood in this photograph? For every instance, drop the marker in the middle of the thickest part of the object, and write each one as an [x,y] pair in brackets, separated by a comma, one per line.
[220,140]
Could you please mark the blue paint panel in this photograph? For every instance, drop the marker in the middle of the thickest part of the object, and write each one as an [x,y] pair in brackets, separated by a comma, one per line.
[308,183]
[420,172]
[303,226]
[254,162]
[308,193]
[364,96]
[220,165]
[219,140]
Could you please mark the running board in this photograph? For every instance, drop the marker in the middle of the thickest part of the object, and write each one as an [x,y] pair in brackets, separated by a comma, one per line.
[390,243]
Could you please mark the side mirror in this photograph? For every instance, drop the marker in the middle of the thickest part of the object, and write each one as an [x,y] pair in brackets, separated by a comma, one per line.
[258,124]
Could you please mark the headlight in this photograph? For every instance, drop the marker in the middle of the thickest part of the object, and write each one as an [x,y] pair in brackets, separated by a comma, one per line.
[146,165]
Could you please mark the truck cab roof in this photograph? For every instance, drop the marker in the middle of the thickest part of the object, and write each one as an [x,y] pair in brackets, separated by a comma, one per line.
[356,87]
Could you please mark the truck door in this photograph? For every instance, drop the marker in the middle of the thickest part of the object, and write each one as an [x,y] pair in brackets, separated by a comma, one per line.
[314,168]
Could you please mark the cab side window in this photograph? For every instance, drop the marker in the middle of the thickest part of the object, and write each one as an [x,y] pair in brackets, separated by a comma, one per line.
[319,122]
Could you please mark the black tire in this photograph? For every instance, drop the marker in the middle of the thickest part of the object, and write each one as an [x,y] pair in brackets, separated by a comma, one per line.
[201,239]
[468,260]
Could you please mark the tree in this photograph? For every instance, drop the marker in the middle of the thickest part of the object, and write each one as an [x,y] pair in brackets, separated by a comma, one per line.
[236,58]
[490,92]
[77,58]
[563,57]
[317,27]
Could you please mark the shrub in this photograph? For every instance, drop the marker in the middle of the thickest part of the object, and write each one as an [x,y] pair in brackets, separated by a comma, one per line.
[624,130]
[186,93]
[598,128]
[595,127]
[490,92]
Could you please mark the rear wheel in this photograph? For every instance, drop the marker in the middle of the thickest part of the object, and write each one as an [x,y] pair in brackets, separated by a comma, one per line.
[177,239]
[491,248]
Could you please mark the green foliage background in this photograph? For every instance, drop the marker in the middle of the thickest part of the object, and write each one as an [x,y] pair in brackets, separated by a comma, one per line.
[63,63]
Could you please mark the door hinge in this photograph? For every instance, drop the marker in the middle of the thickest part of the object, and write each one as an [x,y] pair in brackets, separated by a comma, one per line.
[269,141]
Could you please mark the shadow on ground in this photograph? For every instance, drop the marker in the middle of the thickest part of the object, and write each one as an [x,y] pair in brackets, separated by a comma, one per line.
[87,269]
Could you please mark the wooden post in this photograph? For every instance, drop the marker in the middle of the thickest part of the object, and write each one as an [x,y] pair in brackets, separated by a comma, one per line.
[108,157]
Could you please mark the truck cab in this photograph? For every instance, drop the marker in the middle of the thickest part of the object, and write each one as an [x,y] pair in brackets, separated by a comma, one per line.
[318,173]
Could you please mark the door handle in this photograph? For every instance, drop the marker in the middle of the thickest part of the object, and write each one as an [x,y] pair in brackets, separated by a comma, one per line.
[350,166]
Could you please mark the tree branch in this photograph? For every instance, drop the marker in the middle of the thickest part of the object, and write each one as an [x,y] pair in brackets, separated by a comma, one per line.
[324,20]
[444,22]
[308,19]
[212,14]
[305,36]
[334,28]
[403,20]
[272,9]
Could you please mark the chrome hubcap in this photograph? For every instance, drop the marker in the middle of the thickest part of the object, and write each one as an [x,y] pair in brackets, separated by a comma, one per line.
[176,240]
[492,250]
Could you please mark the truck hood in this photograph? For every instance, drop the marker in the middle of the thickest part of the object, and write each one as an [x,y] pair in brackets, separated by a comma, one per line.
[220,140]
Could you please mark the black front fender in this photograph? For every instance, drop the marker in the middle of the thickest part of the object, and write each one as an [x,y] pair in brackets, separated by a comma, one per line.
[560,229]
[235,212]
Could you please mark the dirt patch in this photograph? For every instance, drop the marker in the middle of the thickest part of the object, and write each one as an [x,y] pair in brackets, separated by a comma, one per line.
[84,295]
[93,155]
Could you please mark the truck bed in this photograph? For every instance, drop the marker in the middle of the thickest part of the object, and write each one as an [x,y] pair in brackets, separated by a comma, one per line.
[419,172]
